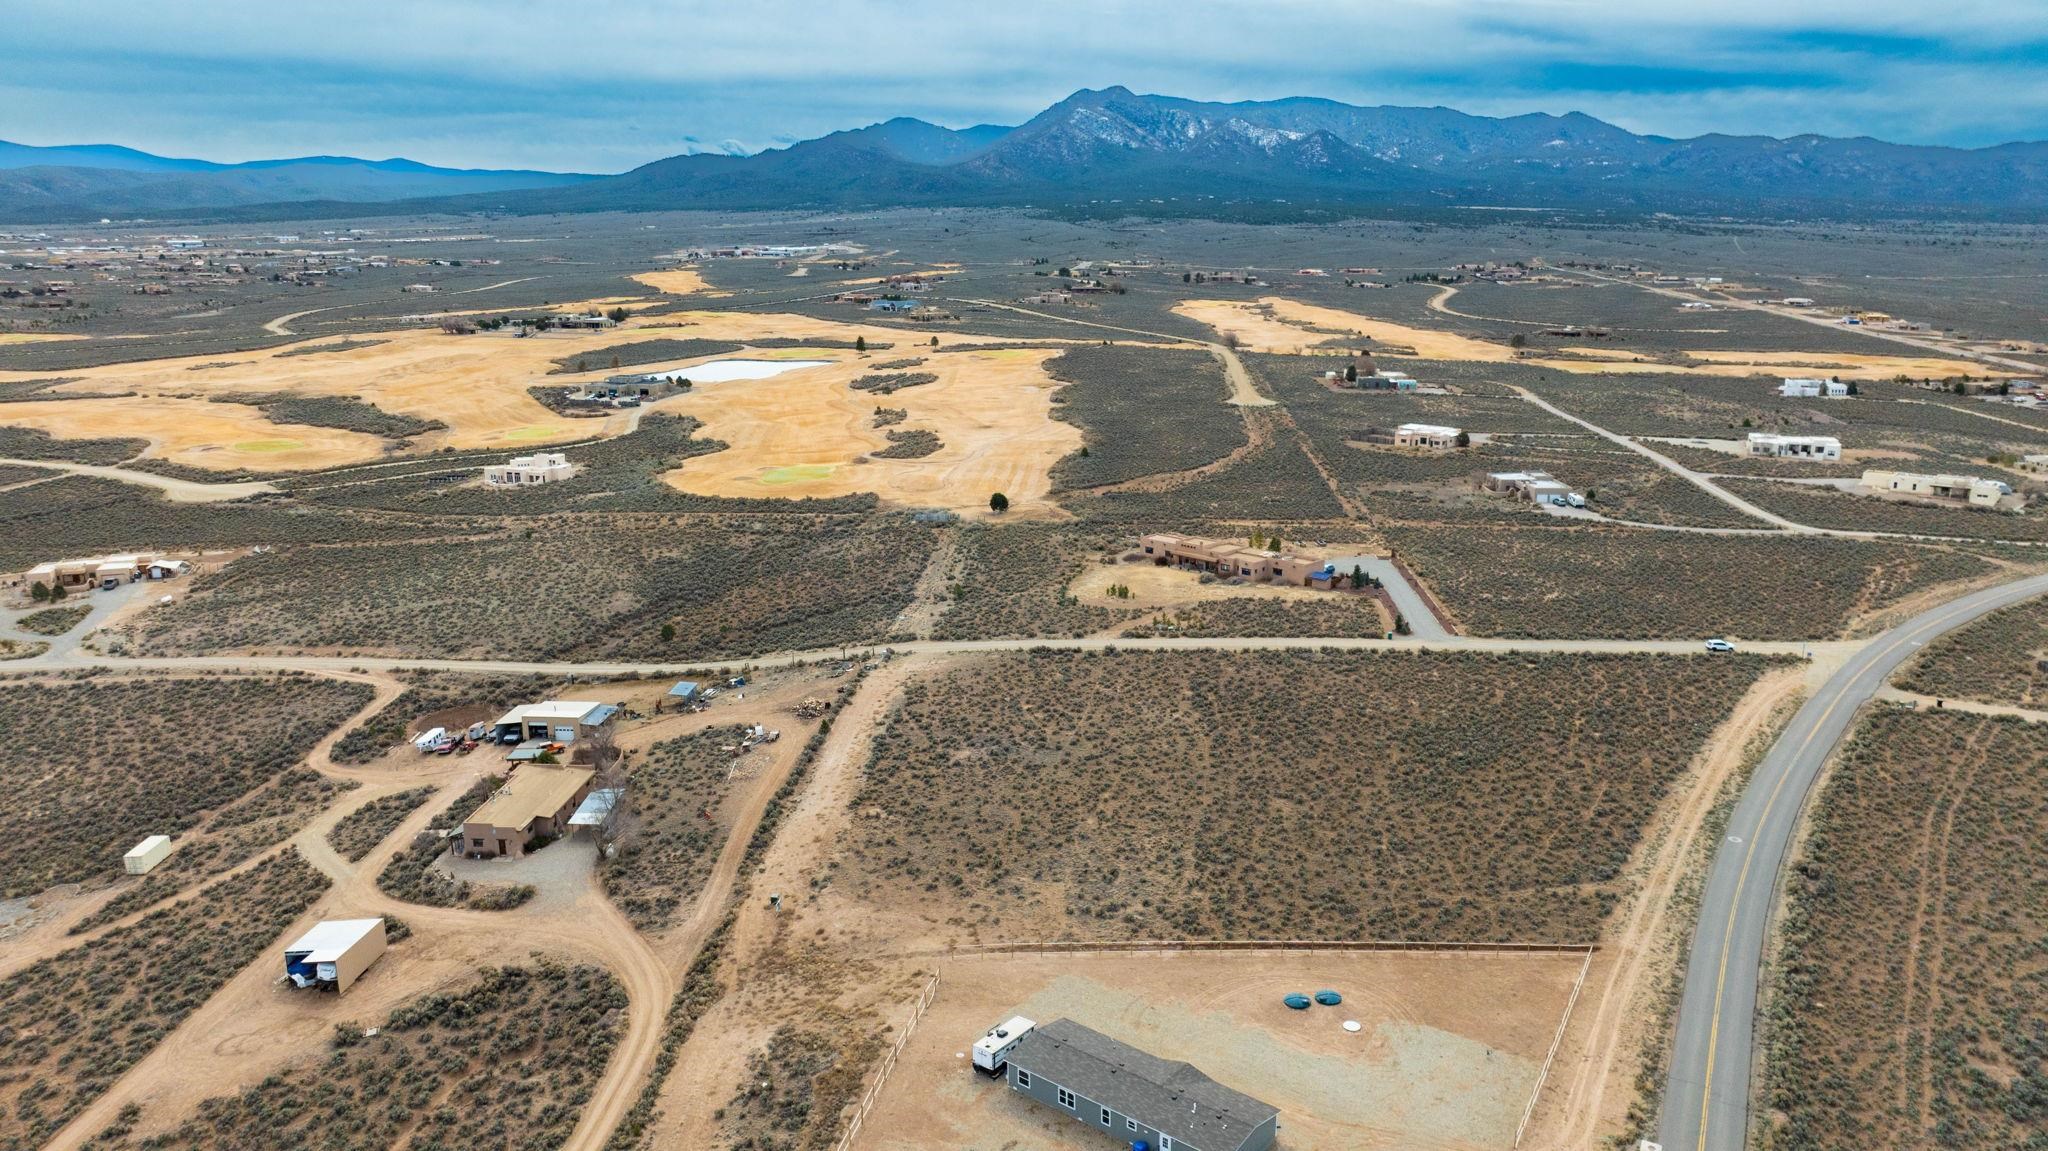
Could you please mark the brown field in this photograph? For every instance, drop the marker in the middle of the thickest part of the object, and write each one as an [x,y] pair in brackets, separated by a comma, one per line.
[679,282]
[477,386]
[38,337]
[1155,586]
[808,434]
[1446,1056]
[1998,659]
[1276,324]
[1912,969]
[1213,786]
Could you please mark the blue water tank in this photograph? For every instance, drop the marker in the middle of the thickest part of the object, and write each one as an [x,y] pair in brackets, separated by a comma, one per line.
[1328,998]
[1296,1000]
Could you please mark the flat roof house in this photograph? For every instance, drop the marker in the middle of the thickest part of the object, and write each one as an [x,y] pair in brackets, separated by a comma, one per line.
[1794,447]
[540,468]
[1426,436]
[1133,1095]
[334,953]
[1229,559]
[1975,491]
[537,801]
[1811,388]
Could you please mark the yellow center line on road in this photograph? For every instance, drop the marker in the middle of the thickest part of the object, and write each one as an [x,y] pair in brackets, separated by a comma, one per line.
[1742,880]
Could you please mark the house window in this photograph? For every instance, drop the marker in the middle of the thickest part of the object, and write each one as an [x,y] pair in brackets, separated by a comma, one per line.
[476,843]
[1023,1078]
[1130,1124]
[1066,1099]
[1108,1117]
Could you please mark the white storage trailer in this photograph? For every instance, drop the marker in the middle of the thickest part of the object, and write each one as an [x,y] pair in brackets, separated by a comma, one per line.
[146,855]
[992,1051]
[334,952]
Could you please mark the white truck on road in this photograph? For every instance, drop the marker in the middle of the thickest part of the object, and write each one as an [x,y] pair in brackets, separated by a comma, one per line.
[992,1051]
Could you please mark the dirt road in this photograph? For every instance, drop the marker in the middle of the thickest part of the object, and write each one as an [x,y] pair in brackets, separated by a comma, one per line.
[1242,391]
[281,325]
[1407,644]
[176,490]
[1803,316]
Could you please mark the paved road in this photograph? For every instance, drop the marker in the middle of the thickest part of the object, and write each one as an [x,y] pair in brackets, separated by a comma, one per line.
[1706,1097]
[1421,621]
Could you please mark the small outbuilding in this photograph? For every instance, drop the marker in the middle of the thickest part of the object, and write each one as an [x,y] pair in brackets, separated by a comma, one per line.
[143,857]
[335,953]
[689,691]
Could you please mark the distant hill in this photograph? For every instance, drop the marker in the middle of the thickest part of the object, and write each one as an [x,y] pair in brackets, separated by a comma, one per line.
[1097,150]
[1115,145]
[87,180]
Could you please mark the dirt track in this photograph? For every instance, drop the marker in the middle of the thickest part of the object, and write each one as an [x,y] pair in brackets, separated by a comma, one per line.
[1589,1093]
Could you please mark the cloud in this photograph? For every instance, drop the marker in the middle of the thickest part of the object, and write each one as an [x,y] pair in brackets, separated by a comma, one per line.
[606,84]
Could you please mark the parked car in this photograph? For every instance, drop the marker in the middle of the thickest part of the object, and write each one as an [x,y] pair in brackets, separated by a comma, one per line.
[1719,646]
[479,730]
[509,737]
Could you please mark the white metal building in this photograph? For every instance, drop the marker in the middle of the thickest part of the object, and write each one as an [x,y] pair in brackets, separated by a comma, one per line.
[334,953]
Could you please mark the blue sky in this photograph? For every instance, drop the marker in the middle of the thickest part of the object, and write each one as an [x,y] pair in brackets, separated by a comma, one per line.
[599,85]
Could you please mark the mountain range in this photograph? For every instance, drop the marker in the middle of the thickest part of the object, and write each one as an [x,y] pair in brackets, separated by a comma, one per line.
[1099,147]
[89,180]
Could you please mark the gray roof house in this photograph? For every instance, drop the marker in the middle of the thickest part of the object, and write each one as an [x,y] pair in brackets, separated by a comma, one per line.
[1132,1095]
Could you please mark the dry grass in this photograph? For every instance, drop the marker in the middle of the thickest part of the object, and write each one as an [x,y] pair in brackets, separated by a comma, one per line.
[72,1023]
[684,281]
[809,433]
[1283,795]
[2002,658]
[1277,324]
[1911,1012]
[95,766]
[474,385]
[510,1059]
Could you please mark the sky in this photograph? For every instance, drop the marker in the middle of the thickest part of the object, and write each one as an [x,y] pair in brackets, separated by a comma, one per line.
[604,85]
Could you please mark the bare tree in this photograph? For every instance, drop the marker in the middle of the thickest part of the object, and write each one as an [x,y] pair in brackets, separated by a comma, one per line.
[608,765]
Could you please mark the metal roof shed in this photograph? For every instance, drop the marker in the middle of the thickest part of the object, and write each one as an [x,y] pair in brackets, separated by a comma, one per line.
[595,807]
[686,689]
[334,953]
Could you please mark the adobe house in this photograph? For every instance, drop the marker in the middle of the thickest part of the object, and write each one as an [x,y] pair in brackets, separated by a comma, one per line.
[537,801]
[1229,559]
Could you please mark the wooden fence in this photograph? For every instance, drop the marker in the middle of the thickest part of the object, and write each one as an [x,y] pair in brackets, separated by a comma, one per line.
[867,1101]
[1556,1040]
